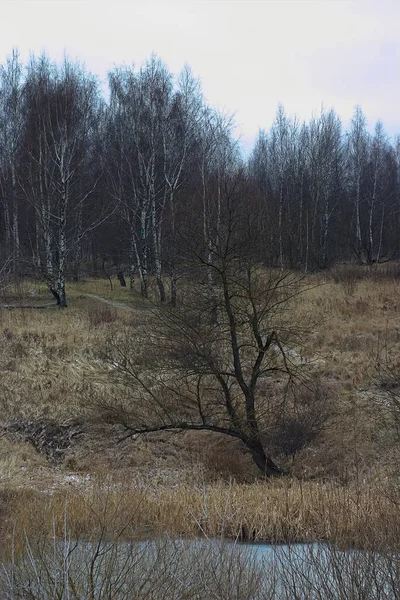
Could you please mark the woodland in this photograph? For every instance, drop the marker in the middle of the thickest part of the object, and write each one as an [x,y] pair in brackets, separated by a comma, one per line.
[91,185]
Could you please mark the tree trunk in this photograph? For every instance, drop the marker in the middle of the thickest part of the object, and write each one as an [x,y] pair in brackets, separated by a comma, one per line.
[61,293]
[55,294]
[307,243]
[121,278]
[140,259]
[359,249]
[62,247]
[94,257]
[378,254]
[142,264]
[156,230]
[7,225]
[173,288]
[132,257]
[325,231]
[263,462]
[16,241]
[131,276]
[280,226]
[158,269]
[78,245]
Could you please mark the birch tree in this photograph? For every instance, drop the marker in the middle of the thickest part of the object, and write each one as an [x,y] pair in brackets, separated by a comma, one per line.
[279,148]
[137,111]
[151,131]
[323,151]
[60,116]
[217,159]
[260,174]
[180,143]
[357,157]
[380,190]
[11,127]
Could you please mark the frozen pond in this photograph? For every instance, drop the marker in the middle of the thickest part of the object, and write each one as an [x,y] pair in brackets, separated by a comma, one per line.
[200,569]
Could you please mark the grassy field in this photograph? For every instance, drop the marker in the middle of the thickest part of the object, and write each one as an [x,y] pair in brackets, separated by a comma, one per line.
[57,456]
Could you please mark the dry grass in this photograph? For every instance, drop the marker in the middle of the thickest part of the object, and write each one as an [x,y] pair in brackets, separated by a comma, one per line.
[176,483]
[354,332]
[46,355]
[357,516]
[352,335]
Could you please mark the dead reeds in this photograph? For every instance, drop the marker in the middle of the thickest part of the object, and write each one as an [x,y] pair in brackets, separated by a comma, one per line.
[274,512]
[116,542]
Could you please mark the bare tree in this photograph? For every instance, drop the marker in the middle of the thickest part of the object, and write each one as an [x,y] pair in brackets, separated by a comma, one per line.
[180,142]
[11,127]
[357,157]
[217,158]
[60,117]
[219,374]
[151,127]
[138,110]
[158,152]
[324,164]
[280,146]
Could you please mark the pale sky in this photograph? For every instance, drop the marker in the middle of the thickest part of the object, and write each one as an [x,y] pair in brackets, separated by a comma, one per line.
[250,55]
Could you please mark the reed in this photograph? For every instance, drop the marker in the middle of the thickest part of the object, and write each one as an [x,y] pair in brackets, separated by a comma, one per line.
[277,512]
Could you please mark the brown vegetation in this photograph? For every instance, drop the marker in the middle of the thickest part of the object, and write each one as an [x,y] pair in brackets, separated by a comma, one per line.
[344,485]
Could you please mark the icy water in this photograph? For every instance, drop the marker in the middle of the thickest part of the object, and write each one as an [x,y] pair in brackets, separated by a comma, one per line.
[206,568]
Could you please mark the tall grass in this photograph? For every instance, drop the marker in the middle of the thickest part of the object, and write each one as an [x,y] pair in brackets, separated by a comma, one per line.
[279,512]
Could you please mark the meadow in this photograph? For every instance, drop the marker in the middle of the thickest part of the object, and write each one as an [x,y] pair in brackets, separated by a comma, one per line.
[60,460]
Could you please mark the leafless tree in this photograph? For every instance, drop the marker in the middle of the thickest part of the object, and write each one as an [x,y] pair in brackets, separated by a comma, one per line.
[280,148]
[138,110]
[157,152]
[60,117]
[220,360]
[11,127]
[357,157]
[324,167]
[152,126]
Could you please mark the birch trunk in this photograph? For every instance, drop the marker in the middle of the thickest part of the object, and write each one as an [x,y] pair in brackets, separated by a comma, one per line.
[7,225]
[280,226]
[15,230]
[62,247]
[378,254]
[156,231]
[358,220]
[142,264]
[78,245]
[370,220]
[132,259]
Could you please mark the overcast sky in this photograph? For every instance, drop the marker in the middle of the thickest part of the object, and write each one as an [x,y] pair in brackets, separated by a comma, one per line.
[249,55]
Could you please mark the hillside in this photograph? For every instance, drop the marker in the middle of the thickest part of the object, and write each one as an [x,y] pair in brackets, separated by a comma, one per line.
[56,439]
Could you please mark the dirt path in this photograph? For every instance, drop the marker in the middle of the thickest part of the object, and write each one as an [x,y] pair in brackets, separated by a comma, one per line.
[109,302]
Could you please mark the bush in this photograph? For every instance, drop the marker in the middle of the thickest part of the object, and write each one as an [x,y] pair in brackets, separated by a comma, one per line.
[197,570]
[100,316]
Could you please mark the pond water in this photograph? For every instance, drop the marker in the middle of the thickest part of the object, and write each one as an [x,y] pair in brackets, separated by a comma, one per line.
[203,569]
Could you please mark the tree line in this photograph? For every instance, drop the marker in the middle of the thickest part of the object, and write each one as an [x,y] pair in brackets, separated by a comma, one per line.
[134,181]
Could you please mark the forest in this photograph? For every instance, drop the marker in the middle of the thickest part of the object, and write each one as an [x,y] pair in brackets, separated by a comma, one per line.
[130,181]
